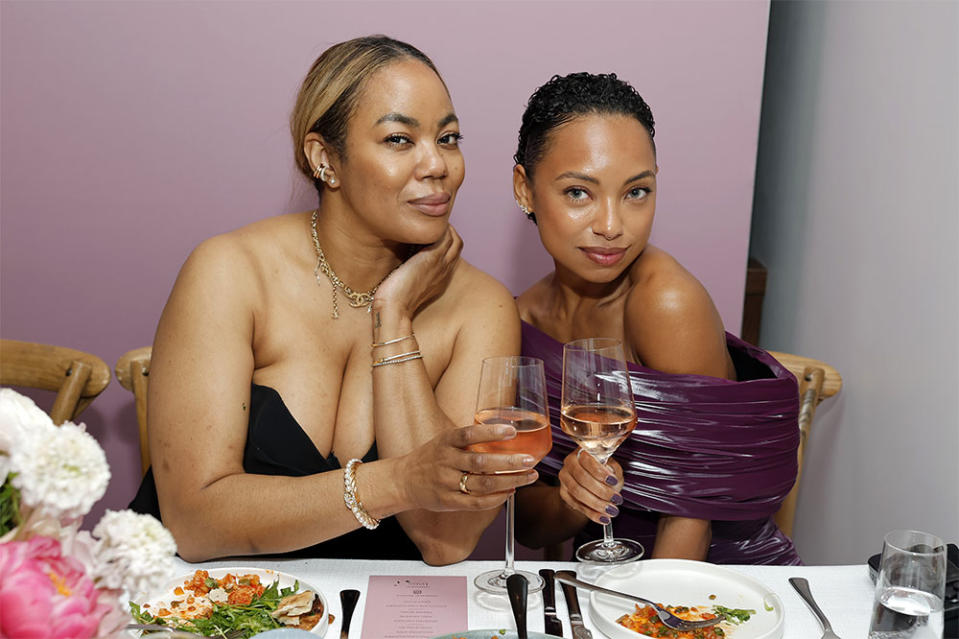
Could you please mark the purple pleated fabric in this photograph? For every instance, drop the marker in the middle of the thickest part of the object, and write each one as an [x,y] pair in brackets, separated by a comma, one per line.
[703,447]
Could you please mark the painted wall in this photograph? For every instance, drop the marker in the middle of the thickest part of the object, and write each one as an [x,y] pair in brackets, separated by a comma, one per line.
[132,131]
[857,219]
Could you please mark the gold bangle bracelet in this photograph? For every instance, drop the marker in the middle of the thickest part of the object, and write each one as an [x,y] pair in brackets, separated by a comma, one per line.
[392,341]
[396,359]
[352,501]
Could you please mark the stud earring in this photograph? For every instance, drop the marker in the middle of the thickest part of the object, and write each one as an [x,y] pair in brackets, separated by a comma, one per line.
[525,209]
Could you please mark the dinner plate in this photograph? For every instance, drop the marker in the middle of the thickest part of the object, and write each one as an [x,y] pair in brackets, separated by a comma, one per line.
[267,577]
[681,582]
[499,633]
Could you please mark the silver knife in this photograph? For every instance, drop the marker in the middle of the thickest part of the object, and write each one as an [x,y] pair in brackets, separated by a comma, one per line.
[551,622]
[572,604]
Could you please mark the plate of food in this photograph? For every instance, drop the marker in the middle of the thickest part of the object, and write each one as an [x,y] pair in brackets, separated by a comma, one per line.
[693,590]
[212,603]
[500,633]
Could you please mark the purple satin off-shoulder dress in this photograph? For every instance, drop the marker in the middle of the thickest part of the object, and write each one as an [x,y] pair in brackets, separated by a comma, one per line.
[703,447]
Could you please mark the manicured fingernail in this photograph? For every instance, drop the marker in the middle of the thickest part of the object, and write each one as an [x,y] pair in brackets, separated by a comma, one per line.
[604,520]
[611,480]
[506,432]
[617,499]
[612,510]
[528,460]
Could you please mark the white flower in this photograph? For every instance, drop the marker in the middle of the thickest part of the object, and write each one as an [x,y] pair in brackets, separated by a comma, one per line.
[134,552]
[62,473]
[20,418]
[17,410]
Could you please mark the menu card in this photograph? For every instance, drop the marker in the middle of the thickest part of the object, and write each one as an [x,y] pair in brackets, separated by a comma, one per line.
[399,607]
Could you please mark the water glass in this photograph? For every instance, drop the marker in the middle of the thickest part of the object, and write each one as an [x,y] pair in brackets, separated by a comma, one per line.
[910,587]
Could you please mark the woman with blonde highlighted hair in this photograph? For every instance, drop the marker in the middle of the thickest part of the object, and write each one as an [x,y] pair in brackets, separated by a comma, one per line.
[314,374]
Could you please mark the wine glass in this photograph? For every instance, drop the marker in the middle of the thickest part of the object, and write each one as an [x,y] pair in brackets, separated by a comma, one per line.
[512,390]
[597,411]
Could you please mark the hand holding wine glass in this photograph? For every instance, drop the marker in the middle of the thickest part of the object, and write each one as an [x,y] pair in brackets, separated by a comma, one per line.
[591,487]
[512,391]
[597,411]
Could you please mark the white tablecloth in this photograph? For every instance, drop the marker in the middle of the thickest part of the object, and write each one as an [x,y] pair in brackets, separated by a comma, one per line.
[844,593]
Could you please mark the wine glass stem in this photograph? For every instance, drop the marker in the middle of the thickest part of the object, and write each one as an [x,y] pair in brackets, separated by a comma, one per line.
[608,534]
[607,528]
[509,569]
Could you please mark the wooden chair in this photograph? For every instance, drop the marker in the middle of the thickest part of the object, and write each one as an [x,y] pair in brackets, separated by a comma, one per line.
[75,376]
[133,372]
[817,381]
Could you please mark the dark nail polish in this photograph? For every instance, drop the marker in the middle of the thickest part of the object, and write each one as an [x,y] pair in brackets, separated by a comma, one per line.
[604,520]
[612,510]
[617,499]
[611,480]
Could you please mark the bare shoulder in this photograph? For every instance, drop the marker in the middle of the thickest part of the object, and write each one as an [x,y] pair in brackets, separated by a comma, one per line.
[225,276]
[478,293]
[662,285]
[242,254]
[671,321]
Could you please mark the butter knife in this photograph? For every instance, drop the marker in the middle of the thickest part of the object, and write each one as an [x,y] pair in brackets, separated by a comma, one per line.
[572,604]
[551,622]
[348,599]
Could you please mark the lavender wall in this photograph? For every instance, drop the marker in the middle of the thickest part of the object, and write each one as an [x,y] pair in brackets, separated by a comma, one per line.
[132,131]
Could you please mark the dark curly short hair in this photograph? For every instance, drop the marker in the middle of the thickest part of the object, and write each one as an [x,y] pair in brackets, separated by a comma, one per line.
[566,97]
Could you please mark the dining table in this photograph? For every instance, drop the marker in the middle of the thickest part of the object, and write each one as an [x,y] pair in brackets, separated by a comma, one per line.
[843,592]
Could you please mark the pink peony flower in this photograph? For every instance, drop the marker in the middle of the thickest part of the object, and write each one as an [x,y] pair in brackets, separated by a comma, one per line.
[44,594]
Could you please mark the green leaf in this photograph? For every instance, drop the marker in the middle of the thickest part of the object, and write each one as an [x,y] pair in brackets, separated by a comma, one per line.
[9,505]
[734,615]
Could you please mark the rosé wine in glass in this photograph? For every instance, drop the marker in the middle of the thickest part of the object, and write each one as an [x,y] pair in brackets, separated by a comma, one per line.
[512,391]
[533,436]
[597,411]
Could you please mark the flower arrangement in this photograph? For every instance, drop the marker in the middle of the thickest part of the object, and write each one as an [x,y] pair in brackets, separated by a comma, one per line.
[56,581]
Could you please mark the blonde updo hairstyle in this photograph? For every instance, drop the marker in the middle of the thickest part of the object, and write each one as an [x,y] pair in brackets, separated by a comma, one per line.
[334,84]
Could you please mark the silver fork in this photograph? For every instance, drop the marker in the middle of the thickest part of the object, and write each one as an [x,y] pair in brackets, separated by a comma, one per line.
[668,618]
[802,587]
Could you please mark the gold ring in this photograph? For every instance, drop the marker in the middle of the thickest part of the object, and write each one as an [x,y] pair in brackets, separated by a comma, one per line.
[463,488]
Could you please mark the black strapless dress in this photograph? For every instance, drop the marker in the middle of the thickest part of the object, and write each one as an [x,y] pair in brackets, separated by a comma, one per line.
[277,445]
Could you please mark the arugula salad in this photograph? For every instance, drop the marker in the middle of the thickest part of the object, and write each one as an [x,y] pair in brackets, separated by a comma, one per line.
[213,607]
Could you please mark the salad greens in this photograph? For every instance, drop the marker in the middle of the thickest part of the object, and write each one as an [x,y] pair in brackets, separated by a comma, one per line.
[734,615]
[251,619]
[9,505]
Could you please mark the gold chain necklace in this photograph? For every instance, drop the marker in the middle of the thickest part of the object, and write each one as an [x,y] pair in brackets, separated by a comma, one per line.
[357,300]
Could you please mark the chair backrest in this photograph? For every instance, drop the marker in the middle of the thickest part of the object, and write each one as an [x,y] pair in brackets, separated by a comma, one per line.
[75,376]
[133,372]
[817,381]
